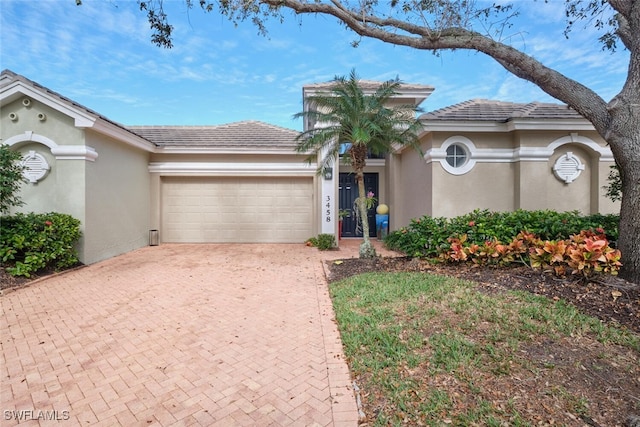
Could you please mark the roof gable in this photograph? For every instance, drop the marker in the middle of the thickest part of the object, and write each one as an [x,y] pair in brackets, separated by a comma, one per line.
[14,86]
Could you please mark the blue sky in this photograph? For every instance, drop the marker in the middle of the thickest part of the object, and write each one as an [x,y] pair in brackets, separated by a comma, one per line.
[100,55]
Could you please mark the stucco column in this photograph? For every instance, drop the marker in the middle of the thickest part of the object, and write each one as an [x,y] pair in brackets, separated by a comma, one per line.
[328,198]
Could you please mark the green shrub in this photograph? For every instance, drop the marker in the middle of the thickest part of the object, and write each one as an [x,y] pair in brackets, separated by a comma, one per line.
[323,242]
[428,237]
[31,242]
[11,178]
[326,242]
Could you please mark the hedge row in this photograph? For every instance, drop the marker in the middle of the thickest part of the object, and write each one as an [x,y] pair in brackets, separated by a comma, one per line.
[428,237]
[32,242]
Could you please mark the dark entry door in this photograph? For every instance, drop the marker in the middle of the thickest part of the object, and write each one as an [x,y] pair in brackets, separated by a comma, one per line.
[348,191]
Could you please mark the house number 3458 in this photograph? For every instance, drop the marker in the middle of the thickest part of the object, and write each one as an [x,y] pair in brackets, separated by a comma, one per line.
[327,217]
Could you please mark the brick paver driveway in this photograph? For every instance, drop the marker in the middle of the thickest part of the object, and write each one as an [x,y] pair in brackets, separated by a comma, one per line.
[178,335]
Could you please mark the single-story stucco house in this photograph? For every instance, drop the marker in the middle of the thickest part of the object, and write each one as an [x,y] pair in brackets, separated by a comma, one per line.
[244,182]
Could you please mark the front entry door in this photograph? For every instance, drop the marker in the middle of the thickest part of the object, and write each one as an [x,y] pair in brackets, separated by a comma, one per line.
[348,191]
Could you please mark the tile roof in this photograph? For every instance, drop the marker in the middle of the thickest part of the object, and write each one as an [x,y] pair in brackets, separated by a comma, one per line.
[250,134]
[369,85]
[499,111]
[259,135]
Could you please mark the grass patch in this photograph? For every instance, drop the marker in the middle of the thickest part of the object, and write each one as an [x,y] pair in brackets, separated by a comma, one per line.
[432,350]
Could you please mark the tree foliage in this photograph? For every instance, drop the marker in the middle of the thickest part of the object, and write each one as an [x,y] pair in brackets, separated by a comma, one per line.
[435,25]
[614,185]
[11,178]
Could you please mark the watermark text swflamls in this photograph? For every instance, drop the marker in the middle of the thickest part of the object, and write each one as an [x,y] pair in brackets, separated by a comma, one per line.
[35,414]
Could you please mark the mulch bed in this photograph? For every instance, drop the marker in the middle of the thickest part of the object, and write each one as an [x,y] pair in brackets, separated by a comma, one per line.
[9,282]
[606,297]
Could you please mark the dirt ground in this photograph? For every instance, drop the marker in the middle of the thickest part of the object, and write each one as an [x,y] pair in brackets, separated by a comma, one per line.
[10,282]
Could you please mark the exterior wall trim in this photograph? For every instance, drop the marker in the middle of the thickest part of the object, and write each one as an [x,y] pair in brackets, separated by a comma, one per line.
[507,155]
[224,150]
[232,169]
[18,88]
[509,126]
[123,135]
[61,152]
[82,119]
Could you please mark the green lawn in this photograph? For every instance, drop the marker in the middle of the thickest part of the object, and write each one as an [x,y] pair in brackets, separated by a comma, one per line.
[431,350]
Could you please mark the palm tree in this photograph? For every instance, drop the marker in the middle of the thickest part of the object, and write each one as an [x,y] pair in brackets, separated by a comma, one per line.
[346,114]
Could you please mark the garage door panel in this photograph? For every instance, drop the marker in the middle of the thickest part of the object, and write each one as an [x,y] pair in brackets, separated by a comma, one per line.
[256,209]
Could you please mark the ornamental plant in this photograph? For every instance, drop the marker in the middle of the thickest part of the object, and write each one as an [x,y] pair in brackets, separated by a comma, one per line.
[323,241]
[584,254]
[588,253]
[428,236]
[370,200]
[491,252]
[32,242]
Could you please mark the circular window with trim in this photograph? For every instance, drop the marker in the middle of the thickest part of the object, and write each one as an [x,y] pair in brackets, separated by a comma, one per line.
[456,155]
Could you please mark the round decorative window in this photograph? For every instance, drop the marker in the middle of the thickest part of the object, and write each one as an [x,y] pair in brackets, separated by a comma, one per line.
[35,166]
[568,167]
[456,155]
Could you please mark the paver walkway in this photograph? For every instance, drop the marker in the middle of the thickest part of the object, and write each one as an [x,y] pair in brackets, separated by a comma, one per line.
[179,335]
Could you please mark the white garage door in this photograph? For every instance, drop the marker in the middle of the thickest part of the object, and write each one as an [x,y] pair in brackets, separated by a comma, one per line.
[236,209]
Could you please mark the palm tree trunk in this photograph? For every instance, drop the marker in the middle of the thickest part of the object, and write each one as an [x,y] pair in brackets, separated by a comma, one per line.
[366,249]
[358,154]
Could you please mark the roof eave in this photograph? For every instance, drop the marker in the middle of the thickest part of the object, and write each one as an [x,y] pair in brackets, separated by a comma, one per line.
[82,119]
[18,89]
[509,126]
[223,150]
[549,124]
[417,95]
[108,129]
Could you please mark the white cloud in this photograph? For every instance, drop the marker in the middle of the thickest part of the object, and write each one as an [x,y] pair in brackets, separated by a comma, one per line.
[100,54]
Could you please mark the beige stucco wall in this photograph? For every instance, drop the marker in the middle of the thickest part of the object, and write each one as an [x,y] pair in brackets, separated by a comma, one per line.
[561,196]
[62,189]
[500,180]
[487,186]
[538,187]
[412,189]
[117,199]
[57,126]
[605,204]
[109,196]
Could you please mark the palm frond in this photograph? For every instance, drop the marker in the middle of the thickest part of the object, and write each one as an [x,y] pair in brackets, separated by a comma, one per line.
[345,113]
